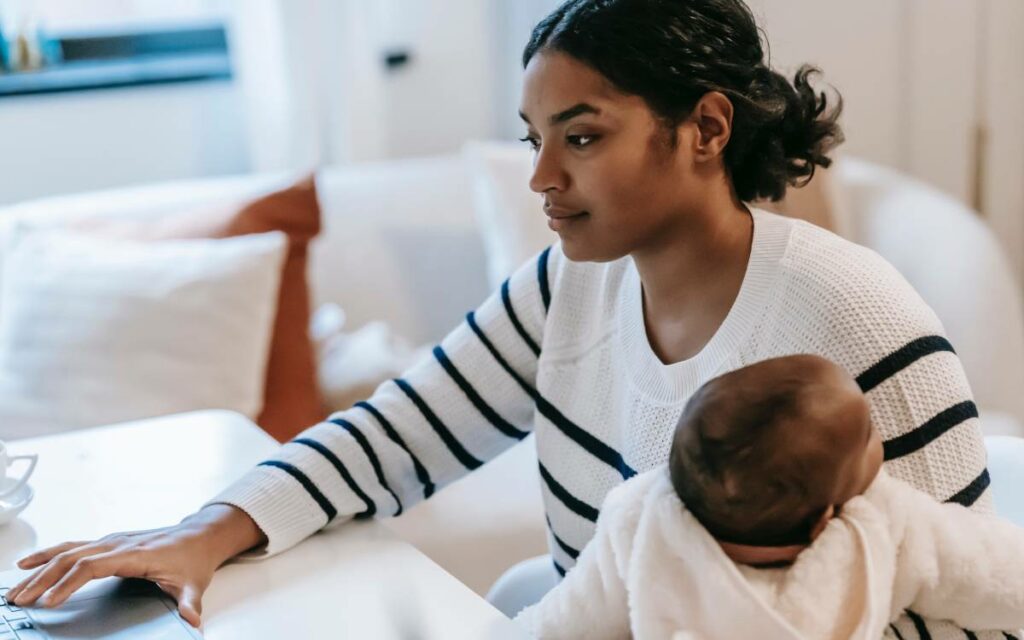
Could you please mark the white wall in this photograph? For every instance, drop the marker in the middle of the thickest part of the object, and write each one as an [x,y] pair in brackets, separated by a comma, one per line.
[906,73]
[70,142]
[1003,107]
[317,91]
[919,77]
[447,94]
[844,40]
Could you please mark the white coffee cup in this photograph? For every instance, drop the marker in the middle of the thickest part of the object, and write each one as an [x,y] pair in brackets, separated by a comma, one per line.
[6,460]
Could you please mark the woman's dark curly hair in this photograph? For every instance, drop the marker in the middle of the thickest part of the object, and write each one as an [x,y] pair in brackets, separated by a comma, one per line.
[672,52]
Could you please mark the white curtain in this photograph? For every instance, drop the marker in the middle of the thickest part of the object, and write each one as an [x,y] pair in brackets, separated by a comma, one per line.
[312,78]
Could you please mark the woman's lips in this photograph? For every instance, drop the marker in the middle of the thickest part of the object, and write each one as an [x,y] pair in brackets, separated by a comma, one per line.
[561,221]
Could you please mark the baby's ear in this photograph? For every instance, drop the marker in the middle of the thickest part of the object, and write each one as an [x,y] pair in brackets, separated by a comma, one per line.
[822,522]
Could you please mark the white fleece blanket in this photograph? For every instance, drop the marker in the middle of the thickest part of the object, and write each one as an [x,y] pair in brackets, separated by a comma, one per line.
[653,572]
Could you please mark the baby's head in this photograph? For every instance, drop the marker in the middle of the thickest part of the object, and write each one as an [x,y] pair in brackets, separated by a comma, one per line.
[764,454]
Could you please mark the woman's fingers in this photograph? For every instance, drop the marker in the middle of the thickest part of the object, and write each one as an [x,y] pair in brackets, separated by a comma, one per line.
[54,570]
[85,569]
[38,558]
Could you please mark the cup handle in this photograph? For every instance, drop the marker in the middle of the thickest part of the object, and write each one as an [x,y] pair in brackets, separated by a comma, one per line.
[33,459]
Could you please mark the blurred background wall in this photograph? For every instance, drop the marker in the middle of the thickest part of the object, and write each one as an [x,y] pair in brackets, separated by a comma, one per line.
[934,88]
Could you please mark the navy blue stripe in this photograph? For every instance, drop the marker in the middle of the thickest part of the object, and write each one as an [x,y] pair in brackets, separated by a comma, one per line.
[559,569]
[371,508]
[901,359]
[919,625]
[492,416]
[928,432]
[471,321]
[310,488]
[970,494]
[364,444]
[574,504]
[421,471]
[542,276]
[899,636]
[507,300]
[594,446]
[569,551]
[970,635]
[442,431]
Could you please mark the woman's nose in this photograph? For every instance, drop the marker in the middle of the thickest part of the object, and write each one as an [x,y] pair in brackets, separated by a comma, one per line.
[548,173]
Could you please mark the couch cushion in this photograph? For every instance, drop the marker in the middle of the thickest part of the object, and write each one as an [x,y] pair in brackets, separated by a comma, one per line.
[97,330]
[291,400]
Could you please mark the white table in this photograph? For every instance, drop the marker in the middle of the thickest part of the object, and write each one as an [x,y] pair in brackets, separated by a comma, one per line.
[354,581]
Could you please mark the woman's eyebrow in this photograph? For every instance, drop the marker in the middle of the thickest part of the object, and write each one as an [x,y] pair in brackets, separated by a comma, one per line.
[568,114]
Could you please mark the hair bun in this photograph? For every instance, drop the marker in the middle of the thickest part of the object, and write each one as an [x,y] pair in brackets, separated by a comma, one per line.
[791,133]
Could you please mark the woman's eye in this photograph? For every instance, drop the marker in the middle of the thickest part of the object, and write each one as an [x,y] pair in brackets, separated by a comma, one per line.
[533,142]
[581,141]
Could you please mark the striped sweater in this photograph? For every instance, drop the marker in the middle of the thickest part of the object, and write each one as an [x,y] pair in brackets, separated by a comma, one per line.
[561,350]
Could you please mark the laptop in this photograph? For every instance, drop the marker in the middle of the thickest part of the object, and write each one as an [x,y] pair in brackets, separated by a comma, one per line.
[111,608]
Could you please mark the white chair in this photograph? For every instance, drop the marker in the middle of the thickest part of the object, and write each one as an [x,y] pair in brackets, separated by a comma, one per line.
[1006,466]
[524,584]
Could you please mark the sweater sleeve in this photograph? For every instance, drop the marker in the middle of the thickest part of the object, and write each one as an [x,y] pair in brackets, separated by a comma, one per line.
[866,317]
[957,565]
[471,399]
[591,602]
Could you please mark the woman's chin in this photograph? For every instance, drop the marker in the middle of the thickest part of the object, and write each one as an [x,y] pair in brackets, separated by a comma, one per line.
[580,249]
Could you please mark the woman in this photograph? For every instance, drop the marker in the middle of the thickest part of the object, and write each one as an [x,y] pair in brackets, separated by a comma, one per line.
[653,122]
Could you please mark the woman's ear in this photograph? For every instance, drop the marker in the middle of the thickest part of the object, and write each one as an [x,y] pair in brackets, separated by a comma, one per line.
[713,117]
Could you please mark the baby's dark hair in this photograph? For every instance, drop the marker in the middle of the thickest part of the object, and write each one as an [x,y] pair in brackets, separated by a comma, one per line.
[672,52]
[756,455]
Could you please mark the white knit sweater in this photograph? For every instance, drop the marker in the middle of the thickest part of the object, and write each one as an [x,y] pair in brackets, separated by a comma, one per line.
[561,349]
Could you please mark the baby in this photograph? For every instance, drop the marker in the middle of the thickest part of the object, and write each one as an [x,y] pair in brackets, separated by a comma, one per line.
[790,529]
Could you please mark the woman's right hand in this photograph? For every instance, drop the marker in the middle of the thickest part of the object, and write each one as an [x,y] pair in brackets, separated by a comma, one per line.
[180,559]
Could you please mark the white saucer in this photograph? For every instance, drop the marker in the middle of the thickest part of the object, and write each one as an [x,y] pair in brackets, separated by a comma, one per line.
[15,503]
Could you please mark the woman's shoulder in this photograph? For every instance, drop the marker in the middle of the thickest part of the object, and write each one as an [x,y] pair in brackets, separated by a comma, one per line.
[844,297]
[815,250]
[844,276]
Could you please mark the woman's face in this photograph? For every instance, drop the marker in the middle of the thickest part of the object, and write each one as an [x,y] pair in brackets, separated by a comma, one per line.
[611,181]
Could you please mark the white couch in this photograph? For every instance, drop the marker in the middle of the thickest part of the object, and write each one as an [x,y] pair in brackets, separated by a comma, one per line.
[401,244]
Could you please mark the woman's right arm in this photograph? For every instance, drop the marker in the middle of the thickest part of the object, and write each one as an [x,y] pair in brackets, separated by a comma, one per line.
[180,559]
[470,400]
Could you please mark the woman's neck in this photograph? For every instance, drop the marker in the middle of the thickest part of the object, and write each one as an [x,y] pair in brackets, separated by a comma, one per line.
[691,277]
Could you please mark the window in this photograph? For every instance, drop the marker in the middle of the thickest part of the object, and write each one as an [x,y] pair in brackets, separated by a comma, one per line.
[69,45]
[113,15]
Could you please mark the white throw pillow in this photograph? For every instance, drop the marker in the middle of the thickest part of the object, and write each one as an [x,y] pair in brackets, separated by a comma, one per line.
[511,216]
[95,331]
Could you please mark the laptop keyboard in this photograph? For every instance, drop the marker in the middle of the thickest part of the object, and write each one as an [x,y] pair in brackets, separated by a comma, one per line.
[12,618]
